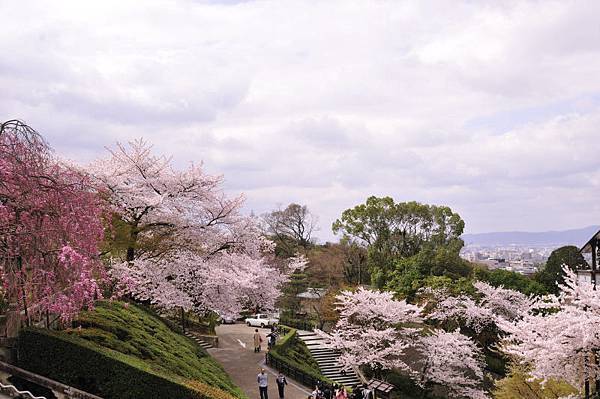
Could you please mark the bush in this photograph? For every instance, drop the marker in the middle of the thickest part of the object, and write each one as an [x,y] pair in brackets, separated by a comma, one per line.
[118,344]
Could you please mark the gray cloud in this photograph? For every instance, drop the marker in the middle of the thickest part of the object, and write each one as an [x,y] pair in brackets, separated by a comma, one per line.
[489,107]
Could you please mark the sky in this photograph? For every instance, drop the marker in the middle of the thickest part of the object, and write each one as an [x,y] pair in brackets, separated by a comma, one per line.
[489,107]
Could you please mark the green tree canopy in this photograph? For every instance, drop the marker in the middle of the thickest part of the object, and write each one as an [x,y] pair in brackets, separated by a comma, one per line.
[552,275]
[509,279]
[392,231]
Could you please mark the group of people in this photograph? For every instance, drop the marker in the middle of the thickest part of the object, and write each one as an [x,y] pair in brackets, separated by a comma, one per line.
[271,339]
[339,392]
[321,391]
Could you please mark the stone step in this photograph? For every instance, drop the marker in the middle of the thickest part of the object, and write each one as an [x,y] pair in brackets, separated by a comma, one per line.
[311,339]
[323,365]
[325,362]
[343,379]
[326,357]
[316,351]
[302,333]
[199,341]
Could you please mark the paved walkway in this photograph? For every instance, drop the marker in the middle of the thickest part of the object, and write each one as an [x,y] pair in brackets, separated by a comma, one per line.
[243,365]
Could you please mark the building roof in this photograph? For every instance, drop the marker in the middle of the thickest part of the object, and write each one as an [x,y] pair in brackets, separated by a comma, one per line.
[312,293]
[587,248]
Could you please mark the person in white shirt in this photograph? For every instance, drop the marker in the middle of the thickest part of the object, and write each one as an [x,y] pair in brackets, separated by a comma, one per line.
[263,384]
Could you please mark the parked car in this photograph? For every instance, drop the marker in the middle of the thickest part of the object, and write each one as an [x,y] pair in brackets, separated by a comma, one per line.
[261,320]
[227,320]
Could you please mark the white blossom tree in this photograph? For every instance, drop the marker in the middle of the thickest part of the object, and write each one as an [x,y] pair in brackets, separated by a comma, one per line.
[493,307]
[453,360]
[563,341]
[378,331]
[187,244]
[370,331]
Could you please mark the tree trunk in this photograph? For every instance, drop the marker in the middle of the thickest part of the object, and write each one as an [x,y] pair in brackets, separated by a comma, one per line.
[182,319]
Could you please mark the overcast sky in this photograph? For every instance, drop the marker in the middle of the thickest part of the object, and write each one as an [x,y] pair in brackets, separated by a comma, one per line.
[491,108]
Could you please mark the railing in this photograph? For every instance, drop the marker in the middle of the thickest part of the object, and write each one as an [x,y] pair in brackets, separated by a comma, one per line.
[12,390]
[295,373]
[69,392]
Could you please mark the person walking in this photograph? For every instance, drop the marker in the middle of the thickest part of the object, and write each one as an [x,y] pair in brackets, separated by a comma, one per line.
[257,340]
[341,393]
[366,392]
[263,384]
[317,393]
[281,383]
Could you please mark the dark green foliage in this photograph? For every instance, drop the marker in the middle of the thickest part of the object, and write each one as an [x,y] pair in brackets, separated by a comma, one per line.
[118,345]
[412,273]
[297,284]
[496,363]
[394,231]
[509,279]
[299,323]
[552,275]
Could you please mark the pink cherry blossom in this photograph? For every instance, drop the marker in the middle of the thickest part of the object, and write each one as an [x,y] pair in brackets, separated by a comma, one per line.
[205,255]
[50,227]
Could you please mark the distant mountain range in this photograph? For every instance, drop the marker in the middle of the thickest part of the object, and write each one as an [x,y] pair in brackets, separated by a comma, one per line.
[576,237]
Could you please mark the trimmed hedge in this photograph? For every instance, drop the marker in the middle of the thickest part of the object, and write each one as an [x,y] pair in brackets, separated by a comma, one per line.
[125,351]
[109,374]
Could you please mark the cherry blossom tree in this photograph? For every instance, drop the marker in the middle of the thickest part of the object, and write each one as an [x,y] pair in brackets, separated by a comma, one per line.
[367,332]
[453,360]
[50,227]
[188,245]
[378,331]
[488,311]
[562,342]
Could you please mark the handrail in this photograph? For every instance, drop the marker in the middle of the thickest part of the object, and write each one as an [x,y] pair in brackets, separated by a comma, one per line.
[17,392]
[46,382]
[360,375]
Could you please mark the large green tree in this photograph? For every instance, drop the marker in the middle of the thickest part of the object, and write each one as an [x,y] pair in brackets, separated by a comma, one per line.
[552,275]
[392,231]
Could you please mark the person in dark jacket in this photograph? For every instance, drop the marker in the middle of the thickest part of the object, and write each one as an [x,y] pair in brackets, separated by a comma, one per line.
[281,383]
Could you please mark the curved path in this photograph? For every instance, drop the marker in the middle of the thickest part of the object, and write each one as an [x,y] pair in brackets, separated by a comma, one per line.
[243,365]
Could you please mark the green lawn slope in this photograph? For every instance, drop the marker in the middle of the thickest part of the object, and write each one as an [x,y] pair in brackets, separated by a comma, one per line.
[126,351]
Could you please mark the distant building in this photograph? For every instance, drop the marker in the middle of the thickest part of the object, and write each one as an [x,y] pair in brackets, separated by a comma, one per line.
[584,276]
[590,247]
[310,297]
[494,263]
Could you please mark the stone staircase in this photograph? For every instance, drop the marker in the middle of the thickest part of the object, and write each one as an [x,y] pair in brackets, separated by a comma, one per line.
[327,359]
[198,340]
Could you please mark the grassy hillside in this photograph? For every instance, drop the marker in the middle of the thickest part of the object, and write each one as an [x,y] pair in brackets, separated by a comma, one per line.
[133,340]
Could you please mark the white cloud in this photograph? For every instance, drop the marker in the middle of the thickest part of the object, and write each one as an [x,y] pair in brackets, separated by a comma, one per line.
[488,107]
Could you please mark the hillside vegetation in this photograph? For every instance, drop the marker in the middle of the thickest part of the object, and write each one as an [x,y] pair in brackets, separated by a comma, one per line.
[124,351]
